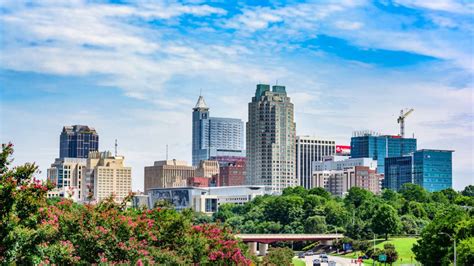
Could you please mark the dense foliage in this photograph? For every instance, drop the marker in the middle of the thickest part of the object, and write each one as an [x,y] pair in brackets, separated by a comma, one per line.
[361,214]
[34,230]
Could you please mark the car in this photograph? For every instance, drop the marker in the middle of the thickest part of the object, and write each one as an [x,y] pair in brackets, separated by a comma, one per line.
[301,255]
[310,253]
[363,257]
[316,262]
[324,258]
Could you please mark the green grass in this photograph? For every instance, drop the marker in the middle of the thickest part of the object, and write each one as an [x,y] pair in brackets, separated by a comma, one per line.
[402,245]
[298,262]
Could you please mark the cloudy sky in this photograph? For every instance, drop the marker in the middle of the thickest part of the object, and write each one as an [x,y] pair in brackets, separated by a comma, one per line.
[133,70]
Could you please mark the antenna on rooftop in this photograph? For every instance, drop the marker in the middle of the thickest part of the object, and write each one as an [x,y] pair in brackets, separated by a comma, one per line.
[116,147]
[200,91]
[276,82]
[167,152]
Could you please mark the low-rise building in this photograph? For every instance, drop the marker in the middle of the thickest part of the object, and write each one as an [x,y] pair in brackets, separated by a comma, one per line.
[205,199]
[232,173]
[168,174]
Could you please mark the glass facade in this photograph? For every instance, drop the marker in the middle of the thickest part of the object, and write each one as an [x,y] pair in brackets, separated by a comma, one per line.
[381,147]
[433,169]
[215,136]
[77,141]
[398,171]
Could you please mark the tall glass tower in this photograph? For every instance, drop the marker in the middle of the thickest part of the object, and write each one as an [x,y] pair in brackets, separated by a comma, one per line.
[77,141]
[271,136]
[215,136]
[368,145]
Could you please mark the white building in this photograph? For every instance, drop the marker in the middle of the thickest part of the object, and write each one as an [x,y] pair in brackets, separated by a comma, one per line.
[308,150]
[342,162]
[203,199]
[67,175]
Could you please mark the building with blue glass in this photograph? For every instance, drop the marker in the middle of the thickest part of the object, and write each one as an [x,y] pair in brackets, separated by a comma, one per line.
[398,171]
[432,169]
[370,145]
[77,141]
[215,136]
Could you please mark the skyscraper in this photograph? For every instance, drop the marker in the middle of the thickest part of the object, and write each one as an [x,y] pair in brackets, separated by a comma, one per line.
[77,141]
[215,136]
[370,145]
[309,150]
[271,157]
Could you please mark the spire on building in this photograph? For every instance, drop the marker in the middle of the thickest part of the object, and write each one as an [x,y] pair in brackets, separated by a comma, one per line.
[201,104]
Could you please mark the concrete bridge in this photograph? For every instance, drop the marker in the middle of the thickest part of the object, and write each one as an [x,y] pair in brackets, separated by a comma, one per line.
[264,239]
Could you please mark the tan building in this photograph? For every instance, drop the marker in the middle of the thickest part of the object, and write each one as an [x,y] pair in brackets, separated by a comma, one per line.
[106,175]
[168,174]
[208,169]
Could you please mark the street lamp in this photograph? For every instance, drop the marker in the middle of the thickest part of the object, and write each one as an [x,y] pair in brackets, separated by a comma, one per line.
[454,240]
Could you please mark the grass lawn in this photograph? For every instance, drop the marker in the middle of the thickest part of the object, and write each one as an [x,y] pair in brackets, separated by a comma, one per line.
[402,245]
[298,262]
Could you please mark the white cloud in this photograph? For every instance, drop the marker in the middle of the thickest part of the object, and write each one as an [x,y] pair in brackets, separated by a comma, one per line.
[348,25]
[454,6]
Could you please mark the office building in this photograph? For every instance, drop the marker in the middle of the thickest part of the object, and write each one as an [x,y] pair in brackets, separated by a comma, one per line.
[372,145]
[168,174]
[215,136]
[207,169]
[432,169]
[338,182]
[233,173]
[398,171]
[67,175]
[106,175]
[309,150]
[77,141]
[271,157]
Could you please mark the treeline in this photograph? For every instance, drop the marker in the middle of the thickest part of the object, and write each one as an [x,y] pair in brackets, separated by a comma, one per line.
[361,214]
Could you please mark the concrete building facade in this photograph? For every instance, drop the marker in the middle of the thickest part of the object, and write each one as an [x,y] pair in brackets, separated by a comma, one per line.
[106,175]
[308,150]
[168,174]
[271,136]
[233,173]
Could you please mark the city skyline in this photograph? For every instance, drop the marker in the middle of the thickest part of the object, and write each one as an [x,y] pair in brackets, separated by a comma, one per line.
[342,74]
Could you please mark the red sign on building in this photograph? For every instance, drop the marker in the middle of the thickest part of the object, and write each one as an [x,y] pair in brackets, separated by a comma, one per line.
[343,150]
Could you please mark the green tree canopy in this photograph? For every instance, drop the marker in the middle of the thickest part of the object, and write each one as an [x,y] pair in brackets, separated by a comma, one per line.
[386,221]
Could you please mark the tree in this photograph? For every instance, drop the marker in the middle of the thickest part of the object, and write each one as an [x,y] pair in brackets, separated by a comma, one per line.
[336,214]
[435,247]
[284,209]
[319,191]
[315,225]
[468,191]
[356,196]
[466,251]
[390,252]
[412,192]
[279,256]
[386,221]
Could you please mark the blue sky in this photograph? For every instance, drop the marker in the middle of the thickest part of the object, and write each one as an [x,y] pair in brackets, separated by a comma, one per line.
[133,70]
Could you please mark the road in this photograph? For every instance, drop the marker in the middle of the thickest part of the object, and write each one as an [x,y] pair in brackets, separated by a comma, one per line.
[338,260]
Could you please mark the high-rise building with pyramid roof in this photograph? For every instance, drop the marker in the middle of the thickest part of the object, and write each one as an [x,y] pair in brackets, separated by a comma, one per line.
[215,136]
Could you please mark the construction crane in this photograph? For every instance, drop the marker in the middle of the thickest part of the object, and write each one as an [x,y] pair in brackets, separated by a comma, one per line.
[401,120]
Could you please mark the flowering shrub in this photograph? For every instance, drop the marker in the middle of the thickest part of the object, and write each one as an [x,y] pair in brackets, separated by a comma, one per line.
[36,231]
